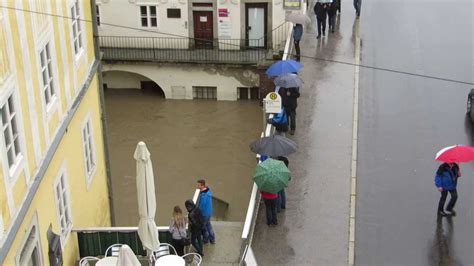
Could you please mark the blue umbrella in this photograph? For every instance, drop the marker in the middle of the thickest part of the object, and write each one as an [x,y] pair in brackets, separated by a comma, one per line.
[283,67]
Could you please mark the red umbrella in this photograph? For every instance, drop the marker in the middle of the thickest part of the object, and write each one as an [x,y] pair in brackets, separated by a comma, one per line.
[456,153]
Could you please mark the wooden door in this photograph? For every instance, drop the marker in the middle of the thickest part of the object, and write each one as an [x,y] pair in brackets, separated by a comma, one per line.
[203,29]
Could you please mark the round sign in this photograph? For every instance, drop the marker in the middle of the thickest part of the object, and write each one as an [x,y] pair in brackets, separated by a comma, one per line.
[273,96]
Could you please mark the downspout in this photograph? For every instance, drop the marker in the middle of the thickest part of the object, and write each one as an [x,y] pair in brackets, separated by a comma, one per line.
[103,117]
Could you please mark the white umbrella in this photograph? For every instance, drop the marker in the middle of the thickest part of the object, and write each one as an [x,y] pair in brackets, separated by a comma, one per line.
[298,18]
[126,257]
[146,198]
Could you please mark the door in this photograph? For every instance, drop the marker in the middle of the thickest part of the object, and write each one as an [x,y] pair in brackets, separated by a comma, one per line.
[203,29]
[256,25]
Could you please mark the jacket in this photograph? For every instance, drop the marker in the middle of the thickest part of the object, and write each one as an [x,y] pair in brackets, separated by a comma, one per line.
[177,232]
[289,100]
[268,195]
[297,32]
[279,121]
[320,10]
[205,202]
[332,8]
[447,177]
[195,218]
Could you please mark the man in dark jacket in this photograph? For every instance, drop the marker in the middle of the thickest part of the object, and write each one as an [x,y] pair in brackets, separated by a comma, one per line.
[196,224]
[297,34]
[321,13]
[289,101]
[332,11]
[446,180]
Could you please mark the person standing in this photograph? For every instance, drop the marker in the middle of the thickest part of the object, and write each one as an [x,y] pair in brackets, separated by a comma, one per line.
[332,11]
[281,202]
[289,99]
[178,230]
[339,6]
[320,11]
[446,180]
[357,5]
[205,204]
[297,34]
[280,122]
[196,224]
[270,200]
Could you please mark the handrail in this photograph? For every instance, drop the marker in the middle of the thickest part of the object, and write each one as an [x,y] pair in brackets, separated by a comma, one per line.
[114,229]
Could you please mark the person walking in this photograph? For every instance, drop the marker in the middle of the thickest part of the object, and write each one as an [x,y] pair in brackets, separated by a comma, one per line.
[289,99]
[446,180]
[357,6]
[196,224]
[339,6]
[205,204]
[270,200]
[297,34]
[178,230]
[320,11]
[332,11]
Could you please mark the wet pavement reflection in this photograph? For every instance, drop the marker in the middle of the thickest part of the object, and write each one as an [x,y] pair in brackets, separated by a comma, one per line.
[187,140]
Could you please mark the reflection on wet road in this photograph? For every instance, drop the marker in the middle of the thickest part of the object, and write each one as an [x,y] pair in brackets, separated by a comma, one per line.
[187,140]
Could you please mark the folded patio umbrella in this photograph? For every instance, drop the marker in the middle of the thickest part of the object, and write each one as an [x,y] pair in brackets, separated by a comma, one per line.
[126,257]
[271,175]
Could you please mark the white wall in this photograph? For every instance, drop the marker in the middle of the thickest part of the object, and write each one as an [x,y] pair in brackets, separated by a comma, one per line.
[123,80]
[181,78]
[122,12]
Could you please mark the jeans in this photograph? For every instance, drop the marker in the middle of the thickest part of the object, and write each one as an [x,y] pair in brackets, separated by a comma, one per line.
[270,206]
[207,231]
[321,25]
[196,240]
[357,5]
[281,202]
[452,201]
[332,22]
[291,117]
[297,49]
[176,243]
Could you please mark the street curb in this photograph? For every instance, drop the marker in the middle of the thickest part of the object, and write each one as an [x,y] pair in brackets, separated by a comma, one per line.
[355,121]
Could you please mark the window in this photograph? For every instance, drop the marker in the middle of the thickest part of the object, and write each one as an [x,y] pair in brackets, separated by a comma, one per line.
[205,93]
[76,28]
[10,132]
[47,74]
[62,201]
[244,93]
[30,253]
[97,10]
[89,151]
[148,16]
[173,12]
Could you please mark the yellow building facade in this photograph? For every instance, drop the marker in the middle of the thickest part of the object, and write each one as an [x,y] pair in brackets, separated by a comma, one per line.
[53,166]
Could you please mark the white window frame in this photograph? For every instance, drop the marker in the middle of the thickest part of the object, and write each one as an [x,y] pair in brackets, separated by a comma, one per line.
[14,169]
[31,242]
[48,86]
[77,37]
[148,15]
[88,144]
[63,205]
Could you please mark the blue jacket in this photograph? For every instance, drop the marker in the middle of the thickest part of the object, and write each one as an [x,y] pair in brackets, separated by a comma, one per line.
[297,32]
[205,202]
[447,180]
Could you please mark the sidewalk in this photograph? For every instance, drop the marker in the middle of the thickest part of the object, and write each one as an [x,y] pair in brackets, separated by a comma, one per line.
[314,228]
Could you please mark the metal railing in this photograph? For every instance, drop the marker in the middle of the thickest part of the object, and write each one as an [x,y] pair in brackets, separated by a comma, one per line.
[192,50]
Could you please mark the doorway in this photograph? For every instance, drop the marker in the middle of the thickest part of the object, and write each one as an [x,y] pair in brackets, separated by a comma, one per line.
[256,25]
[203,29]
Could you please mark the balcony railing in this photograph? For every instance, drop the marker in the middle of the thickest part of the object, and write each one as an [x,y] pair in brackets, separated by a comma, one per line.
[189,50]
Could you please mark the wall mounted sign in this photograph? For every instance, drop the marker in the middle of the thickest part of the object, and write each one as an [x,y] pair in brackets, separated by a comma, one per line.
[203,19]
[223,12]
[292,4]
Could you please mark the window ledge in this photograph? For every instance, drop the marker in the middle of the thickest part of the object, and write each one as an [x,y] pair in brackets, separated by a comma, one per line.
[52,106]
[14,171]
[90,177]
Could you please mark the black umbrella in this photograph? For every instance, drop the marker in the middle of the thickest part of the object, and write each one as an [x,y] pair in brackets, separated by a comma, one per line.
[275,145]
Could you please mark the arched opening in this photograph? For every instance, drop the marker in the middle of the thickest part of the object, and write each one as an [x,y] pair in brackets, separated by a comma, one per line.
[126,81]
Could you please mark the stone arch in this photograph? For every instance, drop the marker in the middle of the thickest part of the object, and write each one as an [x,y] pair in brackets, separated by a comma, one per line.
[129,79]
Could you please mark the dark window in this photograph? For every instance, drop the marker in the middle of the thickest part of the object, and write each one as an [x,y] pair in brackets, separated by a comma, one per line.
[202,4]
[98,14]
[245,93]
[173,12]
[205,93]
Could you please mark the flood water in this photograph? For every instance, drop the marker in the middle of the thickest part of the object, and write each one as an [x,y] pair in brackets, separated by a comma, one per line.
[187,140]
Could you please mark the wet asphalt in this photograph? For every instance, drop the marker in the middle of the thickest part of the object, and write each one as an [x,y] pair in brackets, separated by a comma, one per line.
[313,230]
[403,121]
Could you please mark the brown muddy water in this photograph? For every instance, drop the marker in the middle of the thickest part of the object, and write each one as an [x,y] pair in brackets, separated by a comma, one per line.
[187,140]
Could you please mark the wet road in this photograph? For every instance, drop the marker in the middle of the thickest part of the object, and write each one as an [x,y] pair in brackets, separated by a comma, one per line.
[403,121]
[187,140]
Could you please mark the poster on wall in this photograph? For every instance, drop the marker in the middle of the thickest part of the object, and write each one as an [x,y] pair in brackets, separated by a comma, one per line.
[225,28]
[292,4]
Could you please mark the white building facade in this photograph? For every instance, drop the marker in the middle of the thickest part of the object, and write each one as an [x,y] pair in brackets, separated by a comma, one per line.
[190,48]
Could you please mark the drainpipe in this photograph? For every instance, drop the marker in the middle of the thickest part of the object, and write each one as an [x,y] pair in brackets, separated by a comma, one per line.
[103,117]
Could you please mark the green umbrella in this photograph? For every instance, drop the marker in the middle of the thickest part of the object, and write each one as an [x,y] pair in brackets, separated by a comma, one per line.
[271,175]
